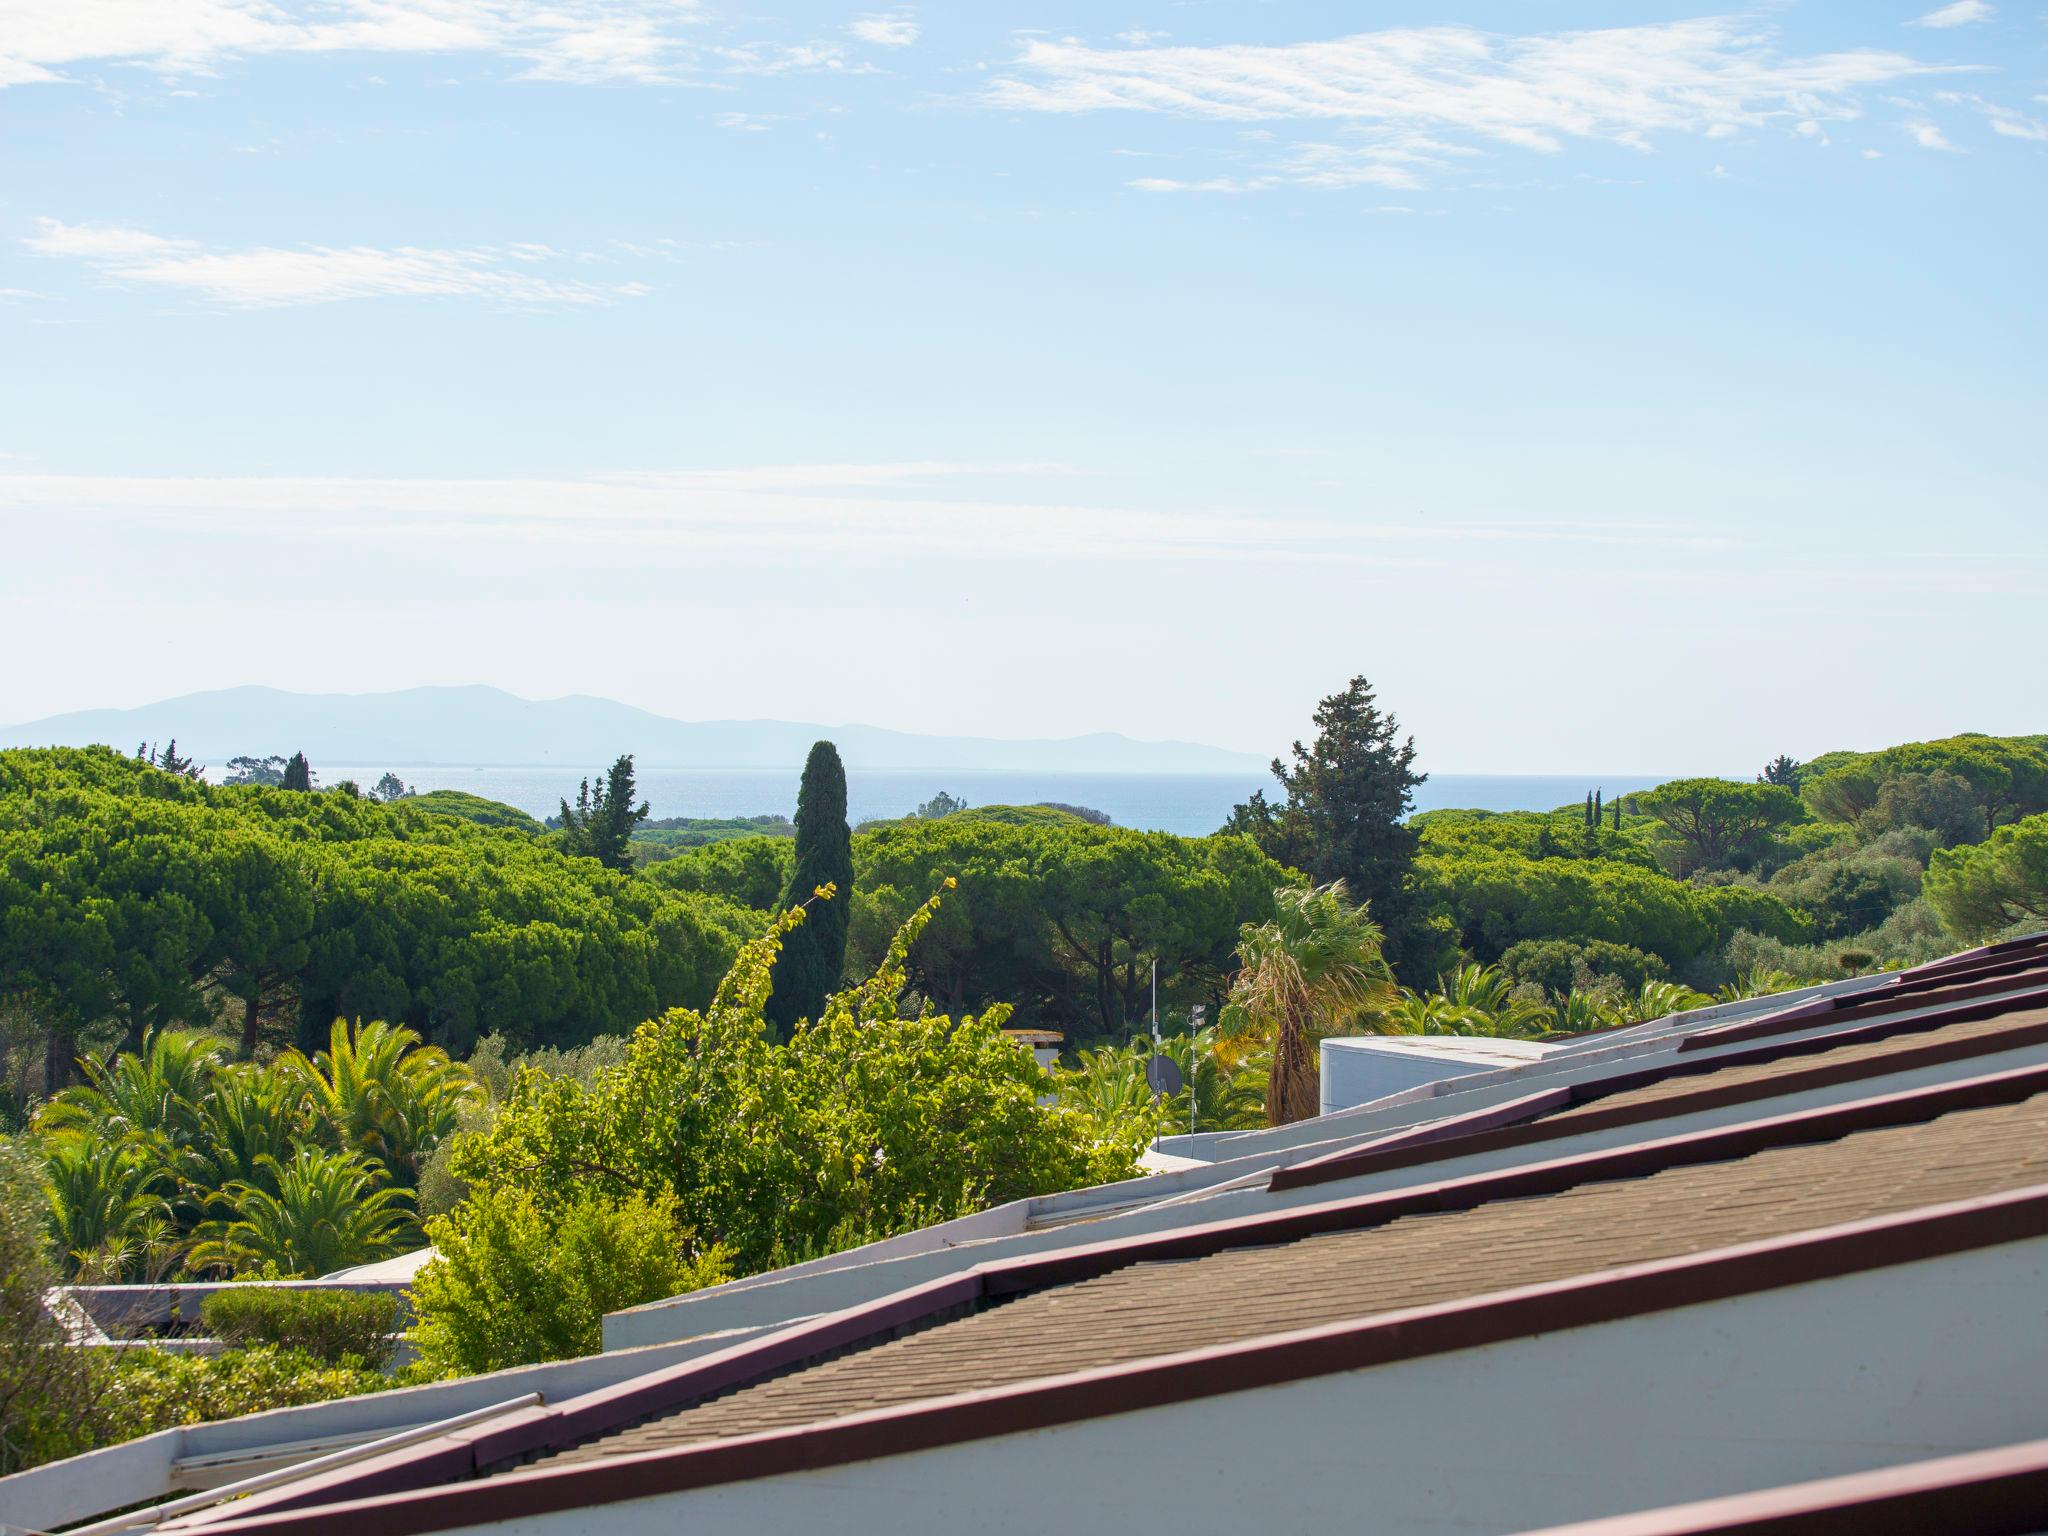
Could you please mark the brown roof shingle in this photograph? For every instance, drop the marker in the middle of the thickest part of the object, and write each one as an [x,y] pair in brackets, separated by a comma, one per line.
[1146,1310]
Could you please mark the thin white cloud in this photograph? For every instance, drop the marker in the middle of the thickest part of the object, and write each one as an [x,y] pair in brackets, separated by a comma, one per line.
[584,41]
[1929,136]
[2005,121]
[270,276]
[1207,184]
[1413,96]
[2016,125]
[889,29]
[855,509]
[1962,13]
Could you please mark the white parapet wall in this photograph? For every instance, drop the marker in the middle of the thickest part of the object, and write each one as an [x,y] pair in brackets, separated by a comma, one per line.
[1359,1069]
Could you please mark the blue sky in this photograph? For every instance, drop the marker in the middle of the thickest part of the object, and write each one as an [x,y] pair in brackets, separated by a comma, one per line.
[1622,388]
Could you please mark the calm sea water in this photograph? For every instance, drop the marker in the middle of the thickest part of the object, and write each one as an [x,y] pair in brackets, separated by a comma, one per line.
[1187,803]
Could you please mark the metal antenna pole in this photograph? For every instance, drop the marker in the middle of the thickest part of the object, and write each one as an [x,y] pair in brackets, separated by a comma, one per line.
[1155,1010]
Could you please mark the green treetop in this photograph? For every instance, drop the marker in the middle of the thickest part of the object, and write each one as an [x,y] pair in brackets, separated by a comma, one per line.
[600,826]
[813,956]
[1346,799]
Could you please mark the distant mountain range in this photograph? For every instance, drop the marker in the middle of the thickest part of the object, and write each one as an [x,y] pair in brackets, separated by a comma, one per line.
[489,726]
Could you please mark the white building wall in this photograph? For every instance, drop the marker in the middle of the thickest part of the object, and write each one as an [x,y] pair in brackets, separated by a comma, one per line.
[1919,1360]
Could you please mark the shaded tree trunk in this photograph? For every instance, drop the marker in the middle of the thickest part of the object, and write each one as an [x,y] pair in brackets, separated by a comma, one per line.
[1293,1091]
[60,1053]
[249,1024]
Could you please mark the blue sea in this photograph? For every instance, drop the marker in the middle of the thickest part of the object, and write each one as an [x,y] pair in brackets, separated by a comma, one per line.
[1187,803]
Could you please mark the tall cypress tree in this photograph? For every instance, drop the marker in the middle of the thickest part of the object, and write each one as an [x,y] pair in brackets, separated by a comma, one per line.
[814,954]
[298,773]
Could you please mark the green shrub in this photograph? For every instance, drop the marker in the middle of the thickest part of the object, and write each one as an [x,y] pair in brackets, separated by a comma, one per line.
[49,1404]
[152,1389]
[332,1325]
[514,1283]
[1560,966]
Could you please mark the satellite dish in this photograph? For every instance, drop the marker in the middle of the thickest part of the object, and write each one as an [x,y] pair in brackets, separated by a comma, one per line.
[1163,1073]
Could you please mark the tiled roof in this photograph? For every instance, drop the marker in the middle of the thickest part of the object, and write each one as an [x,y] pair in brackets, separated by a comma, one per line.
[1146,1310]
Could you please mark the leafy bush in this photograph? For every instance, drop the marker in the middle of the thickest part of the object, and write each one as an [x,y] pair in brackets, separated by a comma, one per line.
[1561,967]
[336,1326]
[1985,889]
[1496,899]
[515,1283]
[152,1389]
[49,1404]
[864,1121]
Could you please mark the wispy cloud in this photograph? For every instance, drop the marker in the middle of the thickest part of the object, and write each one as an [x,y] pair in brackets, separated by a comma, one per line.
[889,29]
[1409,99]
[1929,136]
[926,507]
[1962,13]
[565,40]
[513,276]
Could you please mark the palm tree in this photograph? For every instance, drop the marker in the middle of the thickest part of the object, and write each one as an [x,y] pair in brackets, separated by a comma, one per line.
[380,1092]
[1227,1098]
[1578,1011]
[323,1212]
[107,1207]
[150,1097]
[251,1121]
[1658,999]
[1315,970]
[1107,1084]
[1473,1000]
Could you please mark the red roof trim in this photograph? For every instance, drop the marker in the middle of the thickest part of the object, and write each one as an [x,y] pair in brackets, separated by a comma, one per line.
[1874,1003]
[1410,1334]
[464,1453]
[2001,1492]
[1517,1122]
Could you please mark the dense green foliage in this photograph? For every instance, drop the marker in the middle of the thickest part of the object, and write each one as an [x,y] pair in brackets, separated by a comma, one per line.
[131,899]
[1061,919]
[1343,815]
[666,837]
[750,872]
[2002,779]
[1995,885]
[1716,823]
[177,1158]
[814,953]
[334,1326]
[463,806]
[515,1281]
[151,1389]
[868,1120]
[601,823]
[49,1399]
